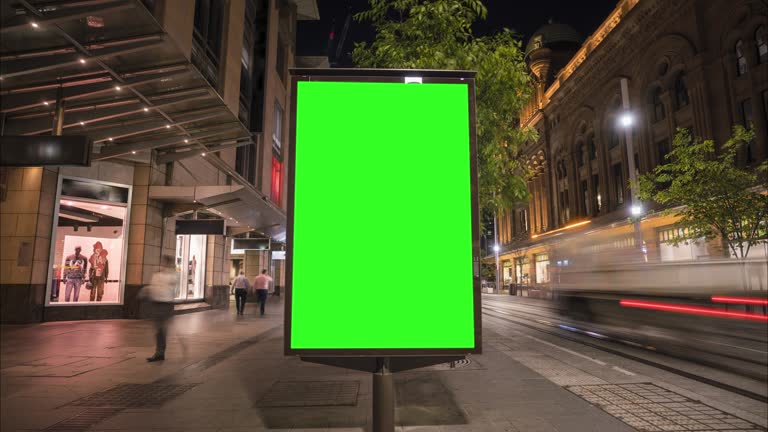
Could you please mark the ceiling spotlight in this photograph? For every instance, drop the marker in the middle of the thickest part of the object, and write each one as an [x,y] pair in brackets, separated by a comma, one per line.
[167,126]
[69,203]
[186,141]
[45,103]
[110,138]
[82,123]
[82,61]
[146,109]
[34,24]
[118,88]
[103,207]
[202,154]
[133,152]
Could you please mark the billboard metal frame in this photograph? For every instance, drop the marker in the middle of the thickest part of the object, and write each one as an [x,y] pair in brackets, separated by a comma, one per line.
[385,76]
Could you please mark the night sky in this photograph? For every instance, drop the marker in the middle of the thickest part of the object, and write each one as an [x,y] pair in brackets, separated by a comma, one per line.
[524,17]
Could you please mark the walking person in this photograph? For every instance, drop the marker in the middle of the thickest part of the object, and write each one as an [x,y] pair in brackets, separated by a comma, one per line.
[261,285]
[160,293]
[241,286]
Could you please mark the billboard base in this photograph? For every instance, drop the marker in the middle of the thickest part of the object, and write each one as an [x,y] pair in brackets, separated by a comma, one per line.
[383,383]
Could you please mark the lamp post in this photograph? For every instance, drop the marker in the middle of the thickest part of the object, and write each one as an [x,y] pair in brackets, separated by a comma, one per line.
[626,121]
[496,252]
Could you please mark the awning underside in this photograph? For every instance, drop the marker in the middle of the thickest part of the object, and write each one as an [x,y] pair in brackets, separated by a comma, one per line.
[123,81]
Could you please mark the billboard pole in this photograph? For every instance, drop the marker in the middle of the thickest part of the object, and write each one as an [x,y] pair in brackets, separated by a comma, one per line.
[383,397]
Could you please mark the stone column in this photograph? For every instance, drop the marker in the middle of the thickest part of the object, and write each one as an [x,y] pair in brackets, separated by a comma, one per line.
[26,220]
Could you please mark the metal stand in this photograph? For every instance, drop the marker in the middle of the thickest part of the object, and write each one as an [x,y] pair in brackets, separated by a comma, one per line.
[383,397]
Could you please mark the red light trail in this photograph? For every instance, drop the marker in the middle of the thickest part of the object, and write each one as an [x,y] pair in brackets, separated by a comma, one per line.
[740,300]
[694,310]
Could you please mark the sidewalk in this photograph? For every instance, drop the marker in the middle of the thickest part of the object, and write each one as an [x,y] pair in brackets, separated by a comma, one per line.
[228,373]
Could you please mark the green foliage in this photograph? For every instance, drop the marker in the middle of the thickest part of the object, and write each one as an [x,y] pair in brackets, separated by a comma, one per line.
[488,271]
[709,193]
[437,34]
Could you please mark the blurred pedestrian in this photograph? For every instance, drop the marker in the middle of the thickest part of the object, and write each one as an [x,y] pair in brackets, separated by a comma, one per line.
[261,285]
[160,293]
[241,286]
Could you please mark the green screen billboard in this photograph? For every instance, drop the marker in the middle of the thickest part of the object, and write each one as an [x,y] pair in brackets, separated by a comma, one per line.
[382,220]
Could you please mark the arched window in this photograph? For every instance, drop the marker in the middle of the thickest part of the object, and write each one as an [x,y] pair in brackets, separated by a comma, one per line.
[658,106]
[762,45]
[741,61]
[614,141]
[681,92]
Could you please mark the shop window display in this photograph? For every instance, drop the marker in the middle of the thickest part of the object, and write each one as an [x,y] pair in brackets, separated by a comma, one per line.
[88,248]
[542,268]
[190,263]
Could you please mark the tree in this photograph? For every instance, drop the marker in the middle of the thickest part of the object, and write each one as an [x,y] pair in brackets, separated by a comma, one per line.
[437,34]
[709,193]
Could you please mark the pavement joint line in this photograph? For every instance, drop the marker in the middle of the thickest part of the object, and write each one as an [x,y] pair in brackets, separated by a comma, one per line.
[624,371]
[218,357]
[586,357]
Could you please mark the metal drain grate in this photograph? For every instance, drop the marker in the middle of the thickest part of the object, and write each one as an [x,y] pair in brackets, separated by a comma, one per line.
[311,394]
[648,407]
[84,420]
[134,396]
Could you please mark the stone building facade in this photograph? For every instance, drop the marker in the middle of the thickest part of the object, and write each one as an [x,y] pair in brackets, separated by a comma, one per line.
[701,65]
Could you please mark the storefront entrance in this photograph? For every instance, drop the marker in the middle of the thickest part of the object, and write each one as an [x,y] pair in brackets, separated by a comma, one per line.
[190,264]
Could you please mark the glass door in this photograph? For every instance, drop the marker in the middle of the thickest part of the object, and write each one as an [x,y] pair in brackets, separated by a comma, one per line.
[190,263]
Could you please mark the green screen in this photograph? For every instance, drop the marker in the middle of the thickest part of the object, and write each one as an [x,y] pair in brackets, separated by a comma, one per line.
[382,219]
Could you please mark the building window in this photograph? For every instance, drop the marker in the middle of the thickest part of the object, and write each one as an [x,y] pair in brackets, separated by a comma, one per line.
[522,269]
[245,162]
[280,62]
[663,149]
[658,106]
[524,219]
[761,44]
[741,61]
[206,38]
[277,129]
[565,214]
[618,178]
[541,262]
[247,63]
[681,92]
[591,147]
[88,242]
[746,119]
[614,140]
[765,103]
[597,200]
[277,181]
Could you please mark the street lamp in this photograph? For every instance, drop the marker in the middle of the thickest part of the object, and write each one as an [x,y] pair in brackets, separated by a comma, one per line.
[496,250]
[627,120]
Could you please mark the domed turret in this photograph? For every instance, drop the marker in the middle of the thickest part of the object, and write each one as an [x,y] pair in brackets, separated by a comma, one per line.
[554,35]
[550,48]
